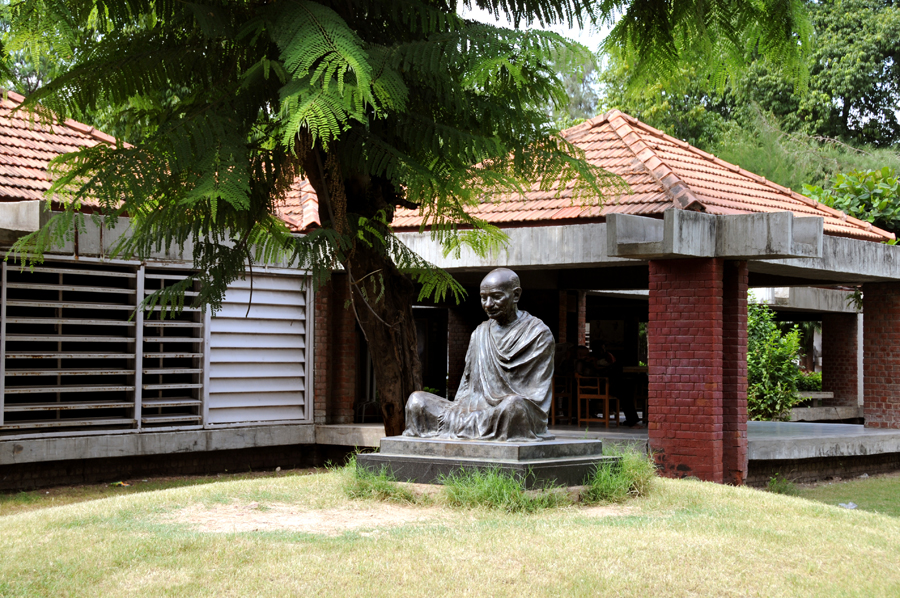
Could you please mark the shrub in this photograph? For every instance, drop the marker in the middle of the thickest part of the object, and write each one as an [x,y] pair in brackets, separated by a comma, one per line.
[494,489]
[632,476]
[772,374]
[870,195]
[810,382]
[362,483]
[778,484]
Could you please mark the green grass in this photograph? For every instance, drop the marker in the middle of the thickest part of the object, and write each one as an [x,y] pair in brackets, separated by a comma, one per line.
[631,477]
[685,538]
[361,483]
[20,502]
[490,488]
[880,494]
[781,485]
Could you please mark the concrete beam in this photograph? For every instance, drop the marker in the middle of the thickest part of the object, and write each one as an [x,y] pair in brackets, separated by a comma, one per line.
[842,260]
[19,218]
[686,234]
[809,299]
[570,246]
[781,440]
[38,450]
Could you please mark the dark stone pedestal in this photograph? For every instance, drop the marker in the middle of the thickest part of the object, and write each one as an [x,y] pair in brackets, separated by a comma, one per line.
[551,462]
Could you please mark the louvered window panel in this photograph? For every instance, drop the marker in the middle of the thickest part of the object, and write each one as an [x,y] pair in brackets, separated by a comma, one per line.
[258,356]
[69,344]
[172,371]
[78,356]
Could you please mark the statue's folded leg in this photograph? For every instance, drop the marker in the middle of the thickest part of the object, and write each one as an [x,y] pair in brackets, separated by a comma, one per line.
[518,420]
[423,414]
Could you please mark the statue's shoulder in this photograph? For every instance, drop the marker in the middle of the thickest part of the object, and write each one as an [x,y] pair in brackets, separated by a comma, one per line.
[534,323]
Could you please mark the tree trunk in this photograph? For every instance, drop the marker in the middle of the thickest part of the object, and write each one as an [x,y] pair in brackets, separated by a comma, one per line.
[382,299]
[382,296]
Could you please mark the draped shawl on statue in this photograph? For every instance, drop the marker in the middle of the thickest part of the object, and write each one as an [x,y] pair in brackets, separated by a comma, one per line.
[503,363]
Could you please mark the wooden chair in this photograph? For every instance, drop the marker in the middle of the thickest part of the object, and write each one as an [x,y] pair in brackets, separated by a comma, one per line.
[562,394]
[592,388]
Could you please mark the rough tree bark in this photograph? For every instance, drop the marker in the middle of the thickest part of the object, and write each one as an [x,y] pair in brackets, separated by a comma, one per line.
[382,296]
[390,330]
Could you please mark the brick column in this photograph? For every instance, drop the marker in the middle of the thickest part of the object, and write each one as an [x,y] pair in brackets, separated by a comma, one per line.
[336,355]
[582,316]
[321,379]
[562,337]
[734,373]
[459,330]
[685,367]
[881,354]
[839,375]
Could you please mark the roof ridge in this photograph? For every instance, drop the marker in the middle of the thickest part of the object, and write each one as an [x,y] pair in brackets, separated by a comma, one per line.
[582,128]
[757,178]
[678,191]
[808,201]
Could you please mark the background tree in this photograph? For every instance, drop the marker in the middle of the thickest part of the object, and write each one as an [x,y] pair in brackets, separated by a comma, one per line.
[763,120]
[772,373]
[379,104]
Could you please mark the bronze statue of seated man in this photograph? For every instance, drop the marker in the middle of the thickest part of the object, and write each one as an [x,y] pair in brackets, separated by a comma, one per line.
[507,386]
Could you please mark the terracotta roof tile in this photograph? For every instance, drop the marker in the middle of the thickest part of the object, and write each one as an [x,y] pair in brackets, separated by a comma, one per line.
[299,208]
[27,145]
[662,172]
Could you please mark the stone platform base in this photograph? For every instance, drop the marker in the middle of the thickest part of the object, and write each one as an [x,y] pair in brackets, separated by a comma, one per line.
[539,464]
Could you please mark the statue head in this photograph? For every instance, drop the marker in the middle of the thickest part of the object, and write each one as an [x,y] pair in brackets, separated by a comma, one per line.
[500,294]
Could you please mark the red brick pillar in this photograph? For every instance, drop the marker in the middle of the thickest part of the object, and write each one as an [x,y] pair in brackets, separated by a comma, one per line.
[881,354]
[582,315]
[336,355]
[459,332]
[684,337]
[321,378]
[563,316]
[839,348]
[734,373]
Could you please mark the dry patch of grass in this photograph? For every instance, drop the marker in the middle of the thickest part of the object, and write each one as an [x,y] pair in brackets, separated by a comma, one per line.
[12,503]
[238,518]
[686,539]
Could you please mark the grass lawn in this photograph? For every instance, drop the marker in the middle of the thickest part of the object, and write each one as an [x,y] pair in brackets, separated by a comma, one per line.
[880,494]
[298,535]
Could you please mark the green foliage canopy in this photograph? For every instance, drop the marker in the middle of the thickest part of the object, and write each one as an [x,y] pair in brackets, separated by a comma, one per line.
[772,375]
[852,93]
[873,196]
[401,100]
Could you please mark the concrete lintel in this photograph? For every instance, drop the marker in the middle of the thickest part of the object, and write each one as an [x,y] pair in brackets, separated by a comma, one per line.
[152,443]
[567,246]
[815,414]
[18,218]
[795,440]
[684,234]
[842,260]
[805,299]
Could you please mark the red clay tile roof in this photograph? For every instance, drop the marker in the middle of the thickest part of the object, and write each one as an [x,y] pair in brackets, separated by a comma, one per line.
[662,172]
[300,208]
[27,145]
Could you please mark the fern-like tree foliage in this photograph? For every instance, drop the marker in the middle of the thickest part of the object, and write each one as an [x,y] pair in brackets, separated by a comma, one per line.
[379,104]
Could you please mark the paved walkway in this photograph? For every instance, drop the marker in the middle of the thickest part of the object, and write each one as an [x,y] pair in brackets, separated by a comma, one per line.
[775,440]
[765,440]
